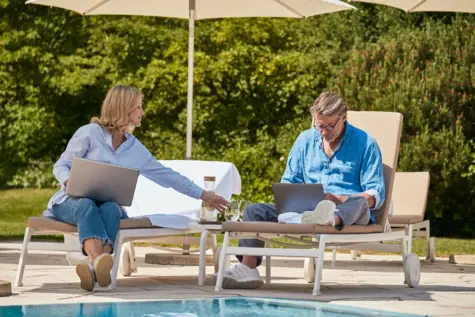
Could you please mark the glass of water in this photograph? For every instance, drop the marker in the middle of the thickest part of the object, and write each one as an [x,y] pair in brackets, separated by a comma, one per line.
[234,211]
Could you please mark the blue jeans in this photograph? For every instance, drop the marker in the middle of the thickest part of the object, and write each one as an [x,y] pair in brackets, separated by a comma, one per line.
[94,219]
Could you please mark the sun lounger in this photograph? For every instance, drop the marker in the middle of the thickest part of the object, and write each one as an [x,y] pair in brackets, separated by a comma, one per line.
[409,201]
[149,199]
[386,128]
[134,229]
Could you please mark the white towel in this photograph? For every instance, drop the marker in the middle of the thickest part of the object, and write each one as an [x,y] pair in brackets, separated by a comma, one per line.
[170,221]
[151,199]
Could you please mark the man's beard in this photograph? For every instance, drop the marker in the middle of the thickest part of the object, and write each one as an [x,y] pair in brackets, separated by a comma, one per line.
[330,139]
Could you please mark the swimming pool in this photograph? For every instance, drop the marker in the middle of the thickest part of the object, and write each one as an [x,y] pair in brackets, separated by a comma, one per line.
[215,307]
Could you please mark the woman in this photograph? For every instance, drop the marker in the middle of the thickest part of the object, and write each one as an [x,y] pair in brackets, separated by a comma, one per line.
[108,139]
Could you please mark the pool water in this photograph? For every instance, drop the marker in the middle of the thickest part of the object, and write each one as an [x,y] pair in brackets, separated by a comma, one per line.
[216,307]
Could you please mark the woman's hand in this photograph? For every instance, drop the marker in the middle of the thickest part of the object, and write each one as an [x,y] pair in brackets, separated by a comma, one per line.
[215,201]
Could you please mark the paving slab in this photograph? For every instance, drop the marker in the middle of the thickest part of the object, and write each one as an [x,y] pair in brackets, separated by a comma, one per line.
[372,281]
[5,288]
[462,259]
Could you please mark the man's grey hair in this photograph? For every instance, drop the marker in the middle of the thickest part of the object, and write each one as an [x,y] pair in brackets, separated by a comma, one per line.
[328,104]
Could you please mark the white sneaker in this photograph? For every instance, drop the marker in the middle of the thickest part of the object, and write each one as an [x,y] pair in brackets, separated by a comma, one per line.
[241,276]
[321,215]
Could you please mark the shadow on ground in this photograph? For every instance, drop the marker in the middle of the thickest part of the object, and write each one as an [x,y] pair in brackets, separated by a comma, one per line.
[360,264]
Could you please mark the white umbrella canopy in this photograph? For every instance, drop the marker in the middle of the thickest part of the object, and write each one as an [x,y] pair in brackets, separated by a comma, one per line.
[203,9]
[198,10]
[428,5]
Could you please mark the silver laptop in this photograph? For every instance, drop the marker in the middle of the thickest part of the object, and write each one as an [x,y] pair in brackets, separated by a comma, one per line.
[102,181]
[296,197]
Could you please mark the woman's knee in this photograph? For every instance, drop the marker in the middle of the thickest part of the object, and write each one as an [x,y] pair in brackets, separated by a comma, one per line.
[84,204]
[111,209]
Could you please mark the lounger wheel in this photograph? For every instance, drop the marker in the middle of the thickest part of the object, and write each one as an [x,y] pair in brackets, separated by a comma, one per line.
[127,264]
[309,268]
[412,270]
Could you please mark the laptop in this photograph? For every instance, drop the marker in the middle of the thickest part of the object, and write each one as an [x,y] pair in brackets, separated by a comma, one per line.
[296,197]
[101,181]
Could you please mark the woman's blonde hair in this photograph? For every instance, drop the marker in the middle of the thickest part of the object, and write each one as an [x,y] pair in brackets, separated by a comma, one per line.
[120,101]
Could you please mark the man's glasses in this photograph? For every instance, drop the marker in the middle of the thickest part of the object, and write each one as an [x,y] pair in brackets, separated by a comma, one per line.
[328,127]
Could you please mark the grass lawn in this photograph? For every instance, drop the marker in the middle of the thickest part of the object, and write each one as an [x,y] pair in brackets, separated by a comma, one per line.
[19,204]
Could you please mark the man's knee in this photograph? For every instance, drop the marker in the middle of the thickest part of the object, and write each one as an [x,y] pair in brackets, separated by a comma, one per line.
[362,208]
[358,203]
[363,203]
[250,212]
[259,212]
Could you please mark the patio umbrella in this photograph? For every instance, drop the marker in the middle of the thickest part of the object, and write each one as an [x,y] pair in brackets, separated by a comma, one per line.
[428,5]
[196,10]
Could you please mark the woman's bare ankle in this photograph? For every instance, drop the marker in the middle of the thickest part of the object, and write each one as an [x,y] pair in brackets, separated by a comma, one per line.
[107,249]
[249,261]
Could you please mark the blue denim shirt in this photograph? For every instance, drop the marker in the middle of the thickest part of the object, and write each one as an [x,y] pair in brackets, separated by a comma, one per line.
[356,166]
[95,143]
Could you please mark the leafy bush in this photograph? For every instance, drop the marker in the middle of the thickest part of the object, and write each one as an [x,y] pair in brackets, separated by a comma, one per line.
[36,175]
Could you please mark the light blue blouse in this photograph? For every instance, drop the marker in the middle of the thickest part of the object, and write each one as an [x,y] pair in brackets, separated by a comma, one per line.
[95,143]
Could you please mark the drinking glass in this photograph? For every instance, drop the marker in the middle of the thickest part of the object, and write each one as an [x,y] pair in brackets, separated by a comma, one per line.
[233,213]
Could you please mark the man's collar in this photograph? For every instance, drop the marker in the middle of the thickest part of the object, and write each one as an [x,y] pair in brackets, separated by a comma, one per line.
[345,134]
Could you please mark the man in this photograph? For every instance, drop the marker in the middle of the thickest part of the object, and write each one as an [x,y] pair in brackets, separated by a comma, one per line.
[345,159]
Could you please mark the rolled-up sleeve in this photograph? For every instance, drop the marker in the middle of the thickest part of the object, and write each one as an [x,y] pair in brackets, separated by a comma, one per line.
[372,177]
[293,170]
[77,147]
[166,177]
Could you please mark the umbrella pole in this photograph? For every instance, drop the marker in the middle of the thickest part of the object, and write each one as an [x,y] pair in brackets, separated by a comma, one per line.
[189,105]
[191,49]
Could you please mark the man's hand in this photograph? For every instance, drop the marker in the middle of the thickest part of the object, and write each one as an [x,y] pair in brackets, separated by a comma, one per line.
[341,199]
[338,200]
[215,201]
[371,200]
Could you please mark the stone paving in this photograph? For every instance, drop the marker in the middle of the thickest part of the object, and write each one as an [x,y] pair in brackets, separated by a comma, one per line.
[372,281]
